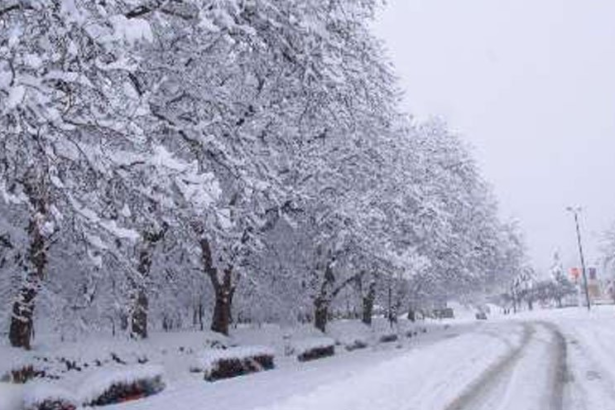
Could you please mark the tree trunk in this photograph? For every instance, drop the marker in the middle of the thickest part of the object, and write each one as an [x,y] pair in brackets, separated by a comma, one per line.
[224,289]
[138,319]
[201,314]
[197,316]
[368,304]
[321,313]
[22,320]
[140,308]
[222,316]
[22,324]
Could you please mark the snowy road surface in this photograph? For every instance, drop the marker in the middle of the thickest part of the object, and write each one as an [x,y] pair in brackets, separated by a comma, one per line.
[530,376]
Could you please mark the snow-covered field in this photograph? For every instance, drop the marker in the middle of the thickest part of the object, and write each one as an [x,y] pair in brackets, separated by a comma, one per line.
[546,359]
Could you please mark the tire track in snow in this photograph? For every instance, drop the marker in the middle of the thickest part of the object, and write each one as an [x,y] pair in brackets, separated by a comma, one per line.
[561,374]
[481,385]
[523,379]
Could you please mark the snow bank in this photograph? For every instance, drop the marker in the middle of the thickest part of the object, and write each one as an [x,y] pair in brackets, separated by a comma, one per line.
[220,364]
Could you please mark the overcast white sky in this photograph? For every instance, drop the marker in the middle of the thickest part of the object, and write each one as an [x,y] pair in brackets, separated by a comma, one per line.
[531,84]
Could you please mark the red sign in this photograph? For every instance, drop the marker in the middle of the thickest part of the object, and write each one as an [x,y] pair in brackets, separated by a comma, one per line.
[575,273]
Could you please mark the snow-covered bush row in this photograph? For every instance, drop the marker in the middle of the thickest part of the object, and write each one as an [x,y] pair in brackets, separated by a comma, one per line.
[164,162]
[58,364]
[218,364]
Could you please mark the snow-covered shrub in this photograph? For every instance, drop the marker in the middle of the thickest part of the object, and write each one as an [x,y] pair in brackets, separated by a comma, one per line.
[22,374]
[388,338]
[353,341]
[315,348]
[411,333]
[355,344]
[219,364]
[46,396]
[18,366]
[121,385]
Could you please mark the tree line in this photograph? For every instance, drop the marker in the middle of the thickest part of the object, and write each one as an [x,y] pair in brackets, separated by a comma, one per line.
[166,161]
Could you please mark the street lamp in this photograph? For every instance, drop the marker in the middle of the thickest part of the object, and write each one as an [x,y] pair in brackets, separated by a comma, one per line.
[575,212]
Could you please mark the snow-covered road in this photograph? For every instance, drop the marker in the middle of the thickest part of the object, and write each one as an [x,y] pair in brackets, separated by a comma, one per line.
[530,376]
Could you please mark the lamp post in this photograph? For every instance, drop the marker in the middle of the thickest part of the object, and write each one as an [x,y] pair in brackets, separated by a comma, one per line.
[575,212]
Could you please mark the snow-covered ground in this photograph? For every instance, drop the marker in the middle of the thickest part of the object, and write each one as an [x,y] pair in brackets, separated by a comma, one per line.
[546,359]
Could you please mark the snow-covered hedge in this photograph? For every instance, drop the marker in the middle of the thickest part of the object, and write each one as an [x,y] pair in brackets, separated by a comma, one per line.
[22,374]
[46,396]
[353,342]
[122,384]
[18,366]
[315,348]
[411,333]
[388,338]
[219,364]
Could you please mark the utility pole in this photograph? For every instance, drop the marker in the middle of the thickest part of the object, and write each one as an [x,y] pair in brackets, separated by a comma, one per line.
[575,212]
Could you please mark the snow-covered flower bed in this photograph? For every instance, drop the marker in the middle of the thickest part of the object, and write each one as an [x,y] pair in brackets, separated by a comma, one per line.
[355,343]
[17,366]
[47,396]
[218,364]
[388,338]
[314,348]
[121,384]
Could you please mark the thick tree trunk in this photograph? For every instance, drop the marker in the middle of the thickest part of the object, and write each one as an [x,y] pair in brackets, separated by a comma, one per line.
[321,313]
[222,316]
[224,289]
[22,321]
[221,319]
[140,308]
[138,319]
[22,324]
[368,304]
